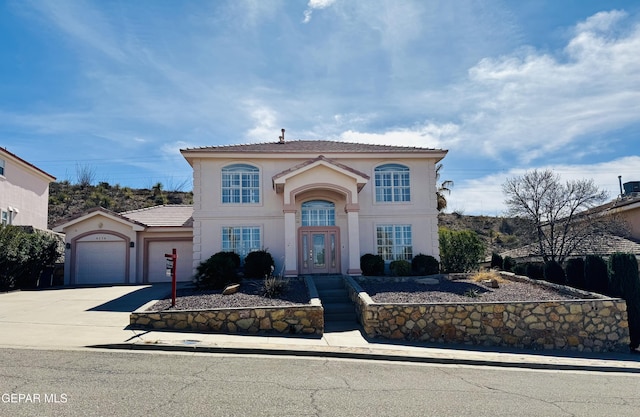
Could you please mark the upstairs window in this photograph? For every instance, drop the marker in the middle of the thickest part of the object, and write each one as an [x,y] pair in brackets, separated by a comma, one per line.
[2,167]
[240,184]
[392,183]
[318,213]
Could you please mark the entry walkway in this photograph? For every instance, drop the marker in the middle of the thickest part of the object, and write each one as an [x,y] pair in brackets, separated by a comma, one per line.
[79,318]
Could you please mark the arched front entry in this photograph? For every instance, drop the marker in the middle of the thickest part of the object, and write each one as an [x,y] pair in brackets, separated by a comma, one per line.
[318,238]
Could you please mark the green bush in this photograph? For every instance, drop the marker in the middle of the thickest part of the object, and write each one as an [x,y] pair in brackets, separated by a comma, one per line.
[553,272]
[534,270]
[460,250]
[258,264]
[596,274]
[400,268]
[508,263]
[575,272]
[520,269]
[424,265]
[496,261]
[24,254]
[218,271]
[625,283]
[372,265]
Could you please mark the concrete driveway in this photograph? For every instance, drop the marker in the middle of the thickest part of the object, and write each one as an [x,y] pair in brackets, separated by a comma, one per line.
[72,317]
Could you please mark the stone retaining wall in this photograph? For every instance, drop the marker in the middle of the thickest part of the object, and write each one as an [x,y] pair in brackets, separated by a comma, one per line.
[302,319]
[589,325]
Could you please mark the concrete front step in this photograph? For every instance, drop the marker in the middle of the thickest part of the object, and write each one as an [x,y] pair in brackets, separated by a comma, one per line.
[335,299]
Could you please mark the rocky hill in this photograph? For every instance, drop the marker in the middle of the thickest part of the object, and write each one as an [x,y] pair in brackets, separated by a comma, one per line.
[499,233]
[66,199]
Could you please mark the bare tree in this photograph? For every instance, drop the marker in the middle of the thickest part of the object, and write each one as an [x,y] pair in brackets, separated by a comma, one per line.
[561,221]
[86,174]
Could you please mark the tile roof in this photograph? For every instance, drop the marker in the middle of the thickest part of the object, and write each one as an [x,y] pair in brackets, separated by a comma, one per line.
[312,146]
[604,246]
[162,216]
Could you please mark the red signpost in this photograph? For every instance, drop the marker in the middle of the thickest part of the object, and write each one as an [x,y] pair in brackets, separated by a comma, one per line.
[172,259]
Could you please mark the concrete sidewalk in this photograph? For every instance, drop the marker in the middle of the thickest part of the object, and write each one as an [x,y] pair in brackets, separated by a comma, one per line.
[98,317]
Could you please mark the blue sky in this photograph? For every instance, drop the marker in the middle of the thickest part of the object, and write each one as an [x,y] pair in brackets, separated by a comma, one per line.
[505,86]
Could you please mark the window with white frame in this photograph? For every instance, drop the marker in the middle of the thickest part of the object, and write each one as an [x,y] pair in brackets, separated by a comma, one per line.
[241,240]
[4,219]
[318,213]
[240,184]
[394,242]
[392,183]
[2,167]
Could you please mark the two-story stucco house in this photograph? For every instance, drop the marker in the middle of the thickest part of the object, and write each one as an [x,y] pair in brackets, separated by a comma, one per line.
[24,192]
[316,206]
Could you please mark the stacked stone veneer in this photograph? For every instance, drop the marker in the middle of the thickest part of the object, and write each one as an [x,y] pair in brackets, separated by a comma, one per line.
[299,319]
[593,324]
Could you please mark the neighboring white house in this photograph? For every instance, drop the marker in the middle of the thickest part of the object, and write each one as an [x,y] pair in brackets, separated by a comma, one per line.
[24,192]
[103,247]
[316,206]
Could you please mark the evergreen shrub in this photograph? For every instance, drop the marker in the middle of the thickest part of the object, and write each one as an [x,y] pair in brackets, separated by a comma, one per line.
[422,264]
[372,265]
[400,268]
[218,271]
[258,264]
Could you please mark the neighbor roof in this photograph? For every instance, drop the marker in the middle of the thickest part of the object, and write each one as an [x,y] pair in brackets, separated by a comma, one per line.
[312,146]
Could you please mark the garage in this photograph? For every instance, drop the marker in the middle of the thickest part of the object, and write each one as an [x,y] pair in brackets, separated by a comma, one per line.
[103,247]
[101,259]
[156,261]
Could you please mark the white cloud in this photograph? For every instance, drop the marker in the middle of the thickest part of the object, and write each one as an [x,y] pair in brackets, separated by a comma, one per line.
[429,135]
[315,5]
[533,104]
[265,127]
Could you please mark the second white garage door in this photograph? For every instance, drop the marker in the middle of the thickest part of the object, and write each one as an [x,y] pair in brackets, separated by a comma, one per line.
[157,262]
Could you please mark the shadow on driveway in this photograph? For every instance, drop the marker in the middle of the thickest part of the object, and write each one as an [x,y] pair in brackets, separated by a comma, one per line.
[136,299]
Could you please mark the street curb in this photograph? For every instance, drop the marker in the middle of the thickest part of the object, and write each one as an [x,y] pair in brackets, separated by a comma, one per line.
[337,354]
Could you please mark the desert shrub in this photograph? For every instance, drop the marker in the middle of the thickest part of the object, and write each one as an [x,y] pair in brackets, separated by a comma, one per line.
[400,268]
[258,264]
[575,272]
[596,275]
[553,272]
[486,275]
[496,261]
[274,286]
[372,265]
[460,250]
[217,271]
[508,263]
[534,270]
[424,265]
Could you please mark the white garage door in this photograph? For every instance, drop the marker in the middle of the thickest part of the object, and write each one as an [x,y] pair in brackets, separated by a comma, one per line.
[101,262]
[157,261]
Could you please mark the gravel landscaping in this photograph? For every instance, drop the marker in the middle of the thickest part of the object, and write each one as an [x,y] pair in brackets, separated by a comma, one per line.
[249,295]
[458,291]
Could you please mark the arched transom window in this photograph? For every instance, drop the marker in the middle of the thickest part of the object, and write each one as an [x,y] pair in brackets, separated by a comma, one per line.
[318,213]
[392,183]
[240,184]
